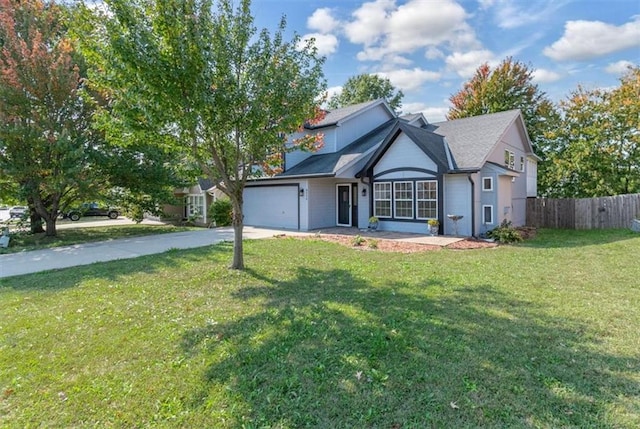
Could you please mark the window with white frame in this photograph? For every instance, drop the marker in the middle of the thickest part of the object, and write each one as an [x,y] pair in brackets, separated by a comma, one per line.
[195,206]
[382,199]
[487,183]
[522,163]
[487,215]
[403,200]
[509,159]
[427,199]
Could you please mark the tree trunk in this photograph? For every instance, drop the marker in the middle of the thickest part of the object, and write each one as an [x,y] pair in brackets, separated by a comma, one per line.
[51,226]
[36,222]
[238,224]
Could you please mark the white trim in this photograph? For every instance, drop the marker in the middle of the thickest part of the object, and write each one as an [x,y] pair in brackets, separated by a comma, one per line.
[396,199]
[390,200]
[510,159]
[348,185]
[484,220]
[490,188]
[201,214]
[417,213]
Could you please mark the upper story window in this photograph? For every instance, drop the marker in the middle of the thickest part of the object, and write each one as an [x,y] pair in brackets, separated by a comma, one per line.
[487,183]
[509,159]
[522,163]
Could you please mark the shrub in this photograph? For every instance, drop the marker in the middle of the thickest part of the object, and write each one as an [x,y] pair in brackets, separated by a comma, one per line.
[373,244]
[221,212]
[505,233]
[357,240]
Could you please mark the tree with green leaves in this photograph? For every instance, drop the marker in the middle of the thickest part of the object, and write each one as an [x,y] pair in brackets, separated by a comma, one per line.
[595,149]
[50,150]
[191,76]
[367,87]
[45,133]
[508,86]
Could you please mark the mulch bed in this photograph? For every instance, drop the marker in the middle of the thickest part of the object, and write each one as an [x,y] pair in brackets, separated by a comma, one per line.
[385,245]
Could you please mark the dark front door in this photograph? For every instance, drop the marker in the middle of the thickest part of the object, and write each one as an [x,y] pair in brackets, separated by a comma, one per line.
[344,205]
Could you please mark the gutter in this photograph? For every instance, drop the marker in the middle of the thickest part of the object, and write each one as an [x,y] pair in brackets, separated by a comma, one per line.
[473,205]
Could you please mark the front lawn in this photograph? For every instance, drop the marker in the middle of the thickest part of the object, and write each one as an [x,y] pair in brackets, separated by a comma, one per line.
[314,334]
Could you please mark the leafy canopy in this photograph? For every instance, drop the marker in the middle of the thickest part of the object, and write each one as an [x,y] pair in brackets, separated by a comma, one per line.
[204,83]
[595,149]
[508,86]
[45,136]
[367,87]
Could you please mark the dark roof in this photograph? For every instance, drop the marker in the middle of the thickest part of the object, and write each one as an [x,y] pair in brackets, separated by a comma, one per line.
[472,139]
[205,184]
[468,141]
[333,117]
[330,163]
[431,144]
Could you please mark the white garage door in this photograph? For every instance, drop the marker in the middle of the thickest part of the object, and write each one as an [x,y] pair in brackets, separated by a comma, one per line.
[272,206]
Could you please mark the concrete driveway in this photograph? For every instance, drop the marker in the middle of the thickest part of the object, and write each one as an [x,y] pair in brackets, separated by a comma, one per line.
[14,264]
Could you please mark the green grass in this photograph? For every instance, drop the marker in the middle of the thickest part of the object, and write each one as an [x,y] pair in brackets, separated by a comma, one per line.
[540,335]
[24,241]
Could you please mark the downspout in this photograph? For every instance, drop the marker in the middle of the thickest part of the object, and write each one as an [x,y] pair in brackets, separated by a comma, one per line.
[473,205]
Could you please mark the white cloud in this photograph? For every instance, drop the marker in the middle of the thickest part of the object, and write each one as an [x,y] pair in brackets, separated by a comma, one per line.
[410,79]
[619,68]
[517,13]
[327,44]
[583,40]
[399,60]
[545,76]
[322,21]
[385,29]
[433,53]
[334,90]
[432,114]
[369,23]
[465,64]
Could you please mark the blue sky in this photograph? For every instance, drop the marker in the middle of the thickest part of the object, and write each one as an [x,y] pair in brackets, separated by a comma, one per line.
[429,48]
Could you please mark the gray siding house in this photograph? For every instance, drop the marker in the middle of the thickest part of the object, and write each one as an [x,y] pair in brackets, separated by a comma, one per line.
[404,171]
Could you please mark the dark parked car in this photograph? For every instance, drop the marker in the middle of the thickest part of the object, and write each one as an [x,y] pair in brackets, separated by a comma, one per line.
[92,209]
[17,212]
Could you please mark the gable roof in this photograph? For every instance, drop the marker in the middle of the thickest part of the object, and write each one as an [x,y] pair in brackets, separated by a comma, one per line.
[328,164]
[205,184]
[416,119]
[433,145]
[472,139]
[337,116]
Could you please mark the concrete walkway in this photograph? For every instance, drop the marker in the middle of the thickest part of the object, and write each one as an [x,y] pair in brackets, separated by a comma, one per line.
[15,264]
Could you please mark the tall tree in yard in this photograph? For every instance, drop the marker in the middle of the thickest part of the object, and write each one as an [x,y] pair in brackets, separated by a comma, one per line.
[205,79]
[508,86]
[595,150]
[44,121]
[367,87]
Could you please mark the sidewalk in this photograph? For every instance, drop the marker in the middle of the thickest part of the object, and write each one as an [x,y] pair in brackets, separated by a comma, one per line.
[15,264]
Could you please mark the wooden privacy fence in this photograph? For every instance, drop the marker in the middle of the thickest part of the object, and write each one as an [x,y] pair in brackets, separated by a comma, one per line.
[583,213]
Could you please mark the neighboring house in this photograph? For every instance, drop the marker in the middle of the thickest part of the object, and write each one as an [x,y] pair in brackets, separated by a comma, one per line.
[402,170]
[197,200]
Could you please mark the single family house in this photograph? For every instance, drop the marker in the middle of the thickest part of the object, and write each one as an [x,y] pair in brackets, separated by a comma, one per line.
[402,170]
